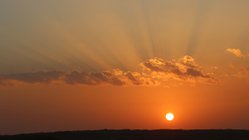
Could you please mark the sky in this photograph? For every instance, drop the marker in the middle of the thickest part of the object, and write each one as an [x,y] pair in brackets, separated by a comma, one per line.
[123,64]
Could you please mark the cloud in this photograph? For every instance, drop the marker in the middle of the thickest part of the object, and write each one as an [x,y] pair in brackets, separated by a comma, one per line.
[237,52]
[155,71]
[37,77]
[242,73]
[113,77]
[185,67]
[94,78]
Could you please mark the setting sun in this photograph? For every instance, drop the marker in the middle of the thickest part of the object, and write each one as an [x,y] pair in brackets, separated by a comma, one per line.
[169,116]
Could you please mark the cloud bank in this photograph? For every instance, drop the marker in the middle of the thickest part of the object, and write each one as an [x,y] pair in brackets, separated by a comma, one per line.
[154,71]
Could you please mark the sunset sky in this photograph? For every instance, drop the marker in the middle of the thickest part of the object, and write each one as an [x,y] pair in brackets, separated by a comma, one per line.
[123,64]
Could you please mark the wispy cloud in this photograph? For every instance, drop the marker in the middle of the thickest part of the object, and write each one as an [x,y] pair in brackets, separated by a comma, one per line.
[242,73]
[155,71]
[36,77]
[236,52]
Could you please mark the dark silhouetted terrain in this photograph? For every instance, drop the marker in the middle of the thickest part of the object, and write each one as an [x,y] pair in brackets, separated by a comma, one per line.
[136,135]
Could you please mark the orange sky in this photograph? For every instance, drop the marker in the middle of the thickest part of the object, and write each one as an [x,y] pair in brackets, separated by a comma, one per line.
[110,64]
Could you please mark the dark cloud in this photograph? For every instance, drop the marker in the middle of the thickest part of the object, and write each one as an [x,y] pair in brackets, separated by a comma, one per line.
[93,78]
[113,77]
[155,71]
[37,77]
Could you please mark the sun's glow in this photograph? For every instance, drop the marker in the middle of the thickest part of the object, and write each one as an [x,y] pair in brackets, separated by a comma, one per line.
[169,116]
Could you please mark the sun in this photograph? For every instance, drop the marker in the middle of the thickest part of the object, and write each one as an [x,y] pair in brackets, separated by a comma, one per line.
[169,116]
